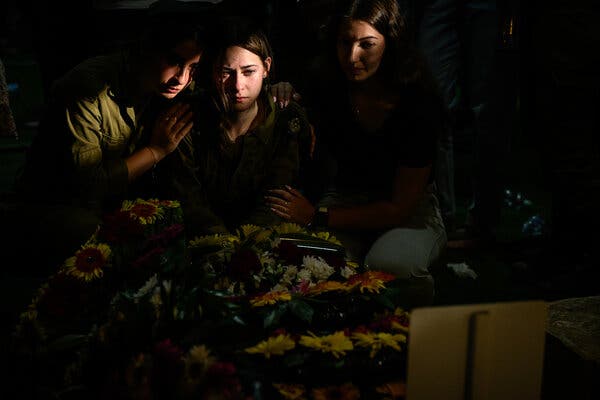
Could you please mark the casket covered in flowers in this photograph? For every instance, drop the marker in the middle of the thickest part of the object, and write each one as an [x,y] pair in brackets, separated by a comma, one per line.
[142,312]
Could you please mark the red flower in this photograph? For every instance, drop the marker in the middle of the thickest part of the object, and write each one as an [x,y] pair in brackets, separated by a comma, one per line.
[121,226]
[222,380]
[243,263]
[146,260]
[167,367]
[167,235]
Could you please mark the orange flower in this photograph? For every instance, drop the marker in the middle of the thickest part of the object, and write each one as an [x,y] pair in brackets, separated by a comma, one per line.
[396,390]
[372,281]
[328,286]
[290,391]
[270,298]
[345,392]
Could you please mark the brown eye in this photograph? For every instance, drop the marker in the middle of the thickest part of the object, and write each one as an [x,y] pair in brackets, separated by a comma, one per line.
[367,45]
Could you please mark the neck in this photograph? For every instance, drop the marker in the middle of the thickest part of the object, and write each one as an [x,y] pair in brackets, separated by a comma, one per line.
[241,121]
[370,87]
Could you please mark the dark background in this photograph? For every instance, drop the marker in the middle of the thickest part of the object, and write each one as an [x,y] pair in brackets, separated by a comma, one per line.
[547,88]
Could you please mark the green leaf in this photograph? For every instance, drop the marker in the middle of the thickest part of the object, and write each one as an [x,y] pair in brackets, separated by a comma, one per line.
[384,300]
[302,310]
[274,316]
[389,298]
[293,360]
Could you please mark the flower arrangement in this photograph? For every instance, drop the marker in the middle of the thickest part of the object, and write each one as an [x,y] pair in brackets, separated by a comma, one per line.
[139,311]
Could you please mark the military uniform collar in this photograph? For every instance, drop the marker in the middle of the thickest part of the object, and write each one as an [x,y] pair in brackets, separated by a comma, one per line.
[264,130]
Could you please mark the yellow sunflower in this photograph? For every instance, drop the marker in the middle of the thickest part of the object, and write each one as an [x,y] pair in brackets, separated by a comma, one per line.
[377,341]
[337,343]
[259,233]
[88,262]
[197,362]
[327,236]
[216,240]
[288,227]
[276,345]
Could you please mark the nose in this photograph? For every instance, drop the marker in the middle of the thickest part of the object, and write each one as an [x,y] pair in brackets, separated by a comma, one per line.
[238,82]
[183,74]
[231,82]
[354,55]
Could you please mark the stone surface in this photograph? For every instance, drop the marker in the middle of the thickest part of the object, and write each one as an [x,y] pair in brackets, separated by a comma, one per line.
[576,323]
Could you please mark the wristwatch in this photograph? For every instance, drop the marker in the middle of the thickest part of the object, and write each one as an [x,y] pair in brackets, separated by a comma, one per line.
[320,219]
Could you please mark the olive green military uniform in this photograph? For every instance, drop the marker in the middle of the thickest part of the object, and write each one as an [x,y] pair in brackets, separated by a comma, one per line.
[223,184]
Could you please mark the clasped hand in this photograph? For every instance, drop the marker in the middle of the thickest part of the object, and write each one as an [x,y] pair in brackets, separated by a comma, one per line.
[283,92]
[290,205]
[170,128]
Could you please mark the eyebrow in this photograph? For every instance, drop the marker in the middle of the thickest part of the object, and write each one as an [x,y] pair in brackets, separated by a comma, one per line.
[243,68]
[368,37]
[360,38]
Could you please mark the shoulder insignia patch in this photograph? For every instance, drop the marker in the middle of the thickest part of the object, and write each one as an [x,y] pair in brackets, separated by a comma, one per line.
[294,125]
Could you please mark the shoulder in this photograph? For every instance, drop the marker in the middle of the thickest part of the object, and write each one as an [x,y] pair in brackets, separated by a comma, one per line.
[292,119]
[89,79]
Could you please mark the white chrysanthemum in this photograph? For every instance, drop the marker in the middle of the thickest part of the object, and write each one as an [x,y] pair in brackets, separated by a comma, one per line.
[289,275]
[279,288]
[347,272]
[304,275]
[274,242]
[147,288]
[319,269]
[266,259]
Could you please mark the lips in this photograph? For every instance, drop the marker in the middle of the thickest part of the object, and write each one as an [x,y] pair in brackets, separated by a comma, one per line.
[172,89]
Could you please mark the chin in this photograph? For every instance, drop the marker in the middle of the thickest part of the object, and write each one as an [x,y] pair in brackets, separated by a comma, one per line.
[239,107]
[169,95]
[355,78]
